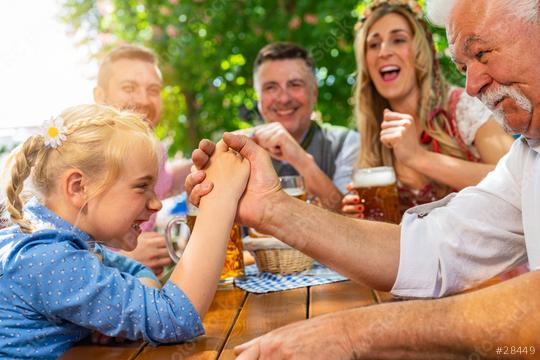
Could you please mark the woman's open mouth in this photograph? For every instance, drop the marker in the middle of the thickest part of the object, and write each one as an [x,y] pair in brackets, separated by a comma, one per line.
[389,72]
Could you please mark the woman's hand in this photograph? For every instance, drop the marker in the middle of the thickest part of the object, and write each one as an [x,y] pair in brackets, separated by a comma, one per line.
[350,204]
[399,133]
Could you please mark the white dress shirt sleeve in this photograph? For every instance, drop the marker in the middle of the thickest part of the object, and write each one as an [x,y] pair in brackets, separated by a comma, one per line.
[346,160]
[455,243]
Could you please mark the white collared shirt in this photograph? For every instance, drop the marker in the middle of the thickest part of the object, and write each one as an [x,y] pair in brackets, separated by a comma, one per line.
[454,243]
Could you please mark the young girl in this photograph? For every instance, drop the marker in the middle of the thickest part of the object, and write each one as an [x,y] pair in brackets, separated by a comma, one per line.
[94,171]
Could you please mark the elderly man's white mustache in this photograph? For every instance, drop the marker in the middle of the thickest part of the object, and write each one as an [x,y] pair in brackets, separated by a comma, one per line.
[492,97]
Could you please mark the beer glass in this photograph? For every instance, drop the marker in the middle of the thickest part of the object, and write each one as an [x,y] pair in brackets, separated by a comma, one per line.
[234,258]
[377,190]
[294,186]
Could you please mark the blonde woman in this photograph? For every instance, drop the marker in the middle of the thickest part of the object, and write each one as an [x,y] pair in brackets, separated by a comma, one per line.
[437,138]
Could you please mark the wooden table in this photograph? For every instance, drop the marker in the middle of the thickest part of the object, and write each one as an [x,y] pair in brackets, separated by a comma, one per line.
[236,317]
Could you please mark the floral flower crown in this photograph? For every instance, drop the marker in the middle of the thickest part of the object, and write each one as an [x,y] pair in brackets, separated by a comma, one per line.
[53,132]
[367,8]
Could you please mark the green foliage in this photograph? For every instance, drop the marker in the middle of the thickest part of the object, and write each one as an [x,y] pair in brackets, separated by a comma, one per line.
[207,47]
[4,149]
[448,69]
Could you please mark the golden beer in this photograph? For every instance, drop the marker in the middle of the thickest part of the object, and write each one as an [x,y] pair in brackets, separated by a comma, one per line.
[377,190]
[298,193]
[234,257]
[191,221]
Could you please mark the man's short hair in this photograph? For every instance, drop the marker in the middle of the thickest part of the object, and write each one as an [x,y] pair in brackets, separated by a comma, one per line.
[131,52]
[283,51]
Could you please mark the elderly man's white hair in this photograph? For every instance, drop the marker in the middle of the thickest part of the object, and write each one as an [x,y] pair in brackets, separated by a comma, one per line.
[439,10]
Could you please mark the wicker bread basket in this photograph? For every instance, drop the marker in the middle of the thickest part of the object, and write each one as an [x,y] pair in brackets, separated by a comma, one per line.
[274,256]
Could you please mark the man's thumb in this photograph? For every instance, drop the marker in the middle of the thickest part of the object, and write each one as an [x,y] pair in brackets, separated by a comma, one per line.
[245,146]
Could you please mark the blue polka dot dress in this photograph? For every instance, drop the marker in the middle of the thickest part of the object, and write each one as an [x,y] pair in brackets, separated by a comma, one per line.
[54,291]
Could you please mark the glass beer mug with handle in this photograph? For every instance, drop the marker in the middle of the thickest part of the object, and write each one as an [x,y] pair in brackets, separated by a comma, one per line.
[377,190]
[177,234]
[175,239]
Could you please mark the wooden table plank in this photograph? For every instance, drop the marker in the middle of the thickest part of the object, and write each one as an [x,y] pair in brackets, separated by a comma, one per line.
[218,323]
[338,296]
[266,312]
[127,350]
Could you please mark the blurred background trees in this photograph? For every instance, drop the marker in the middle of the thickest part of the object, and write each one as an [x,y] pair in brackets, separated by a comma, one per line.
[207,47]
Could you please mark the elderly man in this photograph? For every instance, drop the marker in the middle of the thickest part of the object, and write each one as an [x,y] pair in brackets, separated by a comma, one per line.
[284,79]
[440,248]
[129,78]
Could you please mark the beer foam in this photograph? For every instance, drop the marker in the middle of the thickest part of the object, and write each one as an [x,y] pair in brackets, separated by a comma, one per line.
[379,176]
[295,191]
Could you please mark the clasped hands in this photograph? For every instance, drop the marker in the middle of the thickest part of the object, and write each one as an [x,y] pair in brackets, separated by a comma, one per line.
[262,187]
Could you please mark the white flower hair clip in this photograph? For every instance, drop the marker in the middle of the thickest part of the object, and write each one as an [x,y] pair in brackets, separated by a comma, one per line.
[54,132]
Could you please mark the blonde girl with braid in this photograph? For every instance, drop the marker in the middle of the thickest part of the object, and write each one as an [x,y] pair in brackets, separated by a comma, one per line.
[93,172]
[437,138]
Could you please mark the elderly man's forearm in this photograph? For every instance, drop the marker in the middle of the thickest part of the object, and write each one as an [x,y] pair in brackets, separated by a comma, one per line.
[480,324]
[364,251]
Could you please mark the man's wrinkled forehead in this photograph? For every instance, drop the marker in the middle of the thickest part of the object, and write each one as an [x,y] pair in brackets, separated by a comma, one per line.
[463,29]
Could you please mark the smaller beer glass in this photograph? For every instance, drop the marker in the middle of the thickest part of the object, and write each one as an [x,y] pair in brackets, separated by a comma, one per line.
[377,190]
[294,186]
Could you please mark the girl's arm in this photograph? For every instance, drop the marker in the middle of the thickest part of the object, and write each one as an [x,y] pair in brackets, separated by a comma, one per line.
[199,268]
[64,282]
